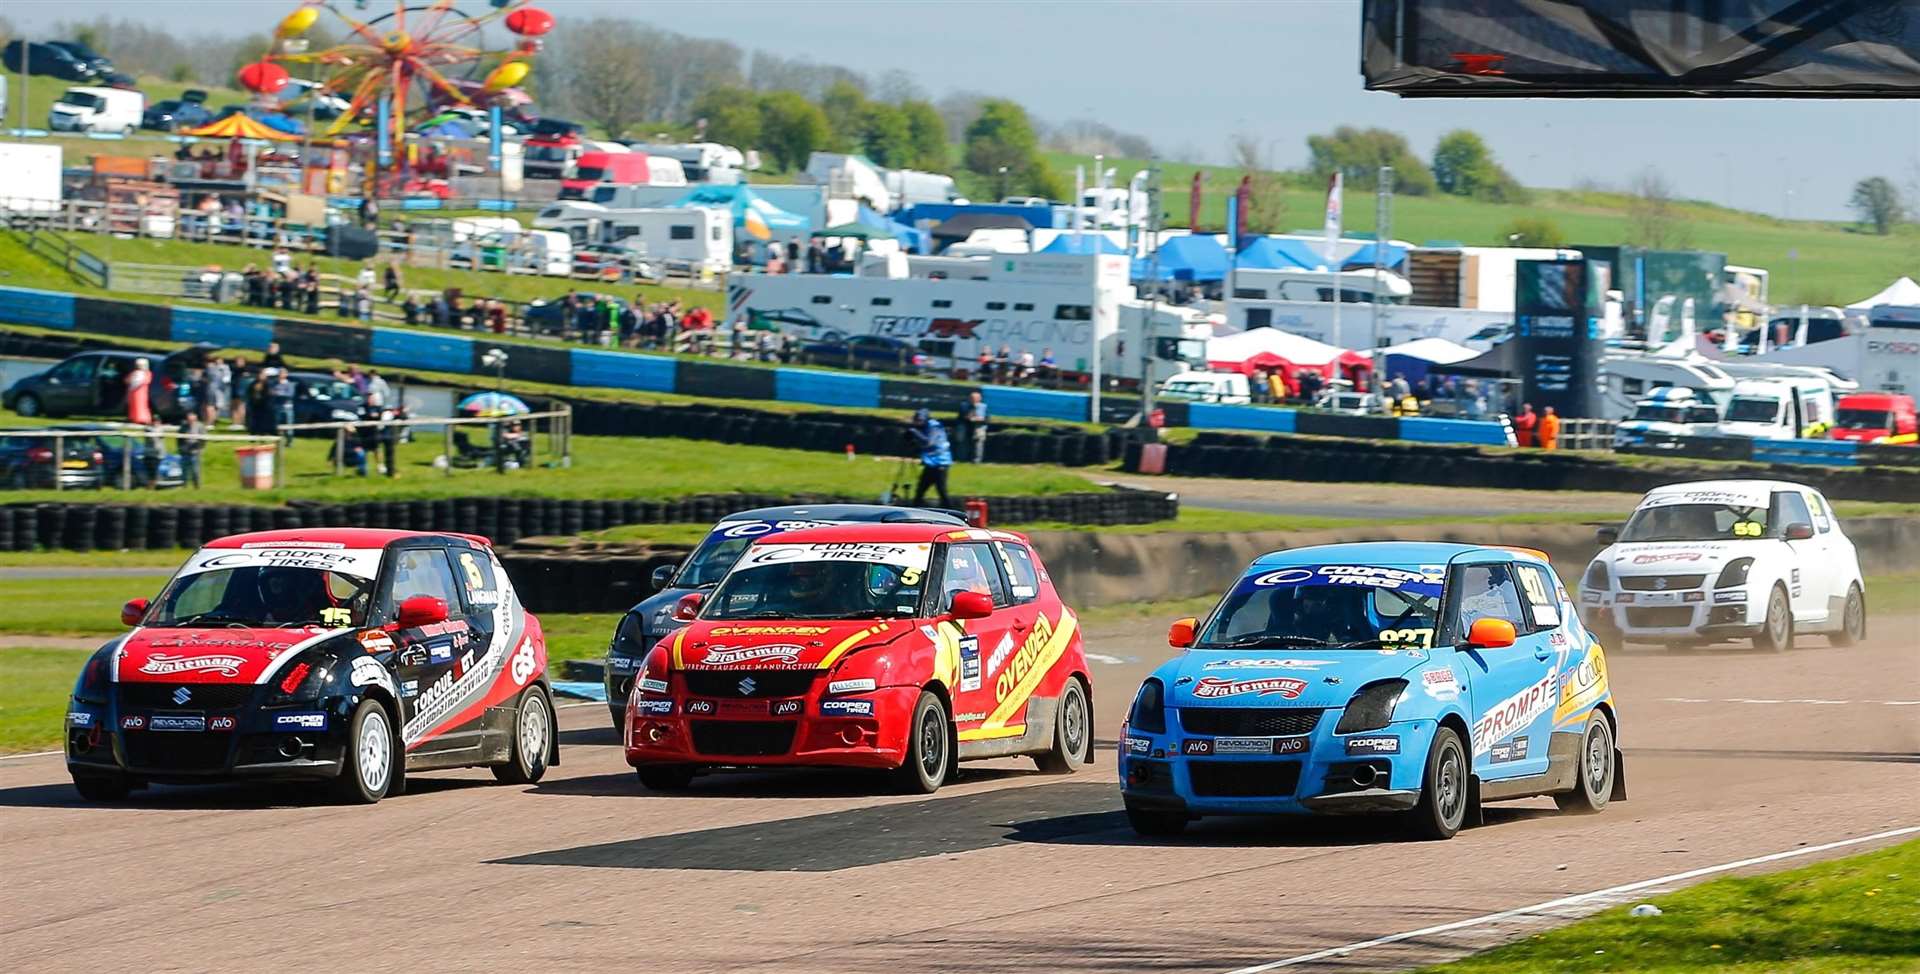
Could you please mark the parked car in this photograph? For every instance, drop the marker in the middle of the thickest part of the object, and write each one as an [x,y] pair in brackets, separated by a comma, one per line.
[321,398]
[46,60]
[903,648]
[95,384]
[652,619]
[174,114]
[349,656]
[875,353]
[99,63]
[148,462]
[28,462]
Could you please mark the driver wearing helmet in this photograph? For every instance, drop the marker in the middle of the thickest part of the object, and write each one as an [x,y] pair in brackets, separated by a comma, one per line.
[291,594]
[1332,613]
[808,582]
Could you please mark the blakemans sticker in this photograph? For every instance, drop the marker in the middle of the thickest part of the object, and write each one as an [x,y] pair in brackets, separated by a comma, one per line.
[1214,687]
[734,655]
[161,664]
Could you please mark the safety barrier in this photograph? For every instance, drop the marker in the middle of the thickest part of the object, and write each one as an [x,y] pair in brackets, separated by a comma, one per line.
[1826,453]
[113,527]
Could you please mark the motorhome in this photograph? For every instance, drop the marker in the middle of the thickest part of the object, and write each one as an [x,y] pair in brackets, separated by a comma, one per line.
[954,308]
[1778,409]
[1876,417]
[1667,411]
[1302,302]
[594,170]
[1628,377]
[697,238]
[91,109]
[547,252]
[707,163]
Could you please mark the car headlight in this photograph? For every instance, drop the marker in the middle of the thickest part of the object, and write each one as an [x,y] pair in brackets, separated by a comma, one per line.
[628,639]
[1596,576]
[1371,708]
[92,685]
[1149,712]
[1734,575]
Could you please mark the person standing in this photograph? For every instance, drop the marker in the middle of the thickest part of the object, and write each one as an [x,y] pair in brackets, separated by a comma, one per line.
[139,409]
[1523,425]
[191,429]
[973,425]
[378,392]
[936,457]
[273,359]
[1550,430]
[393,280]
[219,391]
[280,393]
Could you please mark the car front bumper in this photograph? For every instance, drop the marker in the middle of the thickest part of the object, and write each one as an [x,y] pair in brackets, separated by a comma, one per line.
[1712,614]
[234,744]
[750,733]
[1319,773]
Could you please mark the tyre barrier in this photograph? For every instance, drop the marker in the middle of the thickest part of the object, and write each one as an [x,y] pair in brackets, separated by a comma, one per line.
[506,520]
[1366,461]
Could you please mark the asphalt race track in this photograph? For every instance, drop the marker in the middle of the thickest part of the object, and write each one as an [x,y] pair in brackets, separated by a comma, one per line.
[1731,755]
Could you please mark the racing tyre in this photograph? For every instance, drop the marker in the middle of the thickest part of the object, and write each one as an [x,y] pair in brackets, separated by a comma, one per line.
[102,787]
[928,740]
[1593,779]
[27,405]
[665,777]
[1443,789]
[367,770]
[1071,739]
[532,740]
[1152,822]
[1776,631]
[1853,625]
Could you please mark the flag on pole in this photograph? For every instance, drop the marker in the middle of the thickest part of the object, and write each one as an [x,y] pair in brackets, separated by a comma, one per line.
[1193,200]
[1244,195]
[1333,220]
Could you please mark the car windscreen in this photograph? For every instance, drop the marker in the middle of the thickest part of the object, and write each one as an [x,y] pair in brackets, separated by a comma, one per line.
[1653,413]
[79,99]
[1753,409]
[1695,522]
[828,580]
[290,586]
[1329,606]
[1863,419]
[591,174]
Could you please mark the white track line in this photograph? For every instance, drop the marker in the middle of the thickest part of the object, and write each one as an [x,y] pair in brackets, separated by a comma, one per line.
[1575,899]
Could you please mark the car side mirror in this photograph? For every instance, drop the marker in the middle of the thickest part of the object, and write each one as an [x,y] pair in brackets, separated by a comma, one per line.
[422,610]
[688,607]
[133,612]
[662,576]
[971,605]
[1799,531]
[1180,634]
[1607,535]
[1490,634]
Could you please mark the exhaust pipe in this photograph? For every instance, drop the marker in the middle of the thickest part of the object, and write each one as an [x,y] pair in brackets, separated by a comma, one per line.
[1365,775]
[290,748]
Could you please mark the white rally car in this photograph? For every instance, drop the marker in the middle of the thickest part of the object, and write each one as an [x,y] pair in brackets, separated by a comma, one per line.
[1726,559]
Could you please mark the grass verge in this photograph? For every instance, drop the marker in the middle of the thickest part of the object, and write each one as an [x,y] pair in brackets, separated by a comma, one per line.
[1861,913]
[34,688]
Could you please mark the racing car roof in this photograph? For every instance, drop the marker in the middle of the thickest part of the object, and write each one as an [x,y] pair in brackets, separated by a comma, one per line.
[908,533]
[1740,486]
[349,537]
[848,512]
[1372,552]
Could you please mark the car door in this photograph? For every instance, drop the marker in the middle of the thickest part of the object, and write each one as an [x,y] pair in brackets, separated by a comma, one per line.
[1510,689]
[68,387]
[973,566]
[1807,567]
[431,659]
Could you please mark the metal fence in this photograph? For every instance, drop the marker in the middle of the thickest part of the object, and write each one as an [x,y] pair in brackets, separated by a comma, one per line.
[68,468]
[459,451]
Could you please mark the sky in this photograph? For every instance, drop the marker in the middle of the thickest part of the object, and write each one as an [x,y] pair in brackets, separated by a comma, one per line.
[1191,75]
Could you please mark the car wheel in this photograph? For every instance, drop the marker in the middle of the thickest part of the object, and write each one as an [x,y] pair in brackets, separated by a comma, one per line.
[1853,621]
[1593,779]
[1071,740]
[927,736]
[532,740]
[1443,789]
[27,405]
[666,777]
[1776,631]
[102,787]
[367,771]
[1152,822]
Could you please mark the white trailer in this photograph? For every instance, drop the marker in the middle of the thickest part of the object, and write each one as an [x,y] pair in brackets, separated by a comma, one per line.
[29,178]
[699,238]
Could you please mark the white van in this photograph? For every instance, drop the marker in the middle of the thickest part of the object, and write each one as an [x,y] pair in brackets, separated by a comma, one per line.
[692,236]
[1779,409]
[92,109]
[1667,411]
[1221,387]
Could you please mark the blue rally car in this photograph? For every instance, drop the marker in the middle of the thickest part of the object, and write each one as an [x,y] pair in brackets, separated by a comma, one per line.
[1419,679]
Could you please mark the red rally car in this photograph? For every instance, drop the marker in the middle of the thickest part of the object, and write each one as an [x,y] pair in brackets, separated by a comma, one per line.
[345,654]
[904,647]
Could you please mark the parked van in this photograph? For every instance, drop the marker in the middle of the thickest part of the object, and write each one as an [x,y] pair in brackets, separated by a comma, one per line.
[702,162]
[93,109]
[596,169]
[1779,409]
[1876,417]
[1221,387]
[1667,411]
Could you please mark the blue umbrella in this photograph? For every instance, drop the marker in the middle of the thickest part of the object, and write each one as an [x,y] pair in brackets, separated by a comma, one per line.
[493,404]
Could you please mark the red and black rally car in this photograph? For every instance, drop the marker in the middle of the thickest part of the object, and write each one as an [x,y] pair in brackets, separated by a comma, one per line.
[349,654]
[904,647]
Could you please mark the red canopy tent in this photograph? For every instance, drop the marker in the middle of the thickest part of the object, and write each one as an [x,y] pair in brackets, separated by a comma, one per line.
[1271,350]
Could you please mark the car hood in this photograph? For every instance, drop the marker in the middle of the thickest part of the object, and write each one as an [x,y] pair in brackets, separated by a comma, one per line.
[1672,557]
[775,644]
[235,655]
[1292,677]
